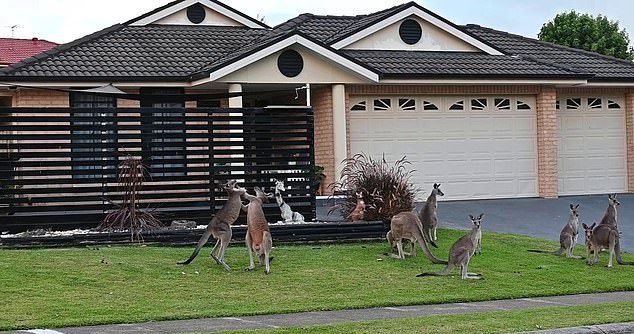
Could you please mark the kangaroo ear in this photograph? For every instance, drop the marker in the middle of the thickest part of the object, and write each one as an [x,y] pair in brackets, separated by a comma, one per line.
[572,207]
[593,225]
[471,217]
[481,215]
[435,185]
[584,226]
[577,206]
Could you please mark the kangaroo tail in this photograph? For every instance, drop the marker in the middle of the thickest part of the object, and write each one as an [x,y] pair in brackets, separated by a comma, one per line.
[445,272]
[203,240]
[557,252]
[619,260]
[421,241]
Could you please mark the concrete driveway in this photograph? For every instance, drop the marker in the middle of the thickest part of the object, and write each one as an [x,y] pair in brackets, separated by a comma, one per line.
[536,217]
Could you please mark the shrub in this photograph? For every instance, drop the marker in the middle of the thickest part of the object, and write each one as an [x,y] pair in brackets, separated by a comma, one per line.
[386,188]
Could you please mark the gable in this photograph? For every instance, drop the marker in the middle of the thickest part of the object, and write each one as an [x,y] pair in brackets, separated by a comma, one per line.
[210,18]
[432,39]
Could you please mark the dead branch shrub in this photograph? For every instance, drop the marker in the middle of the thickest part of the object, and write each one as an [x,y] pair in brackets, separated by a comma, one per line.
[387,188]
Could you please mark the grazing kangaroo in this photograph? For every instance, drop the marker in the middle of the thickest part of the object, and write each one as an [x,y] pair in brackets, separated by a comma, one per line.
[429,213]
[359,211]
[600,237]
[462,251]
[610,216]
[220,225]
[287,213]
[258,236]
[406,225]
[392,242]
[568,236]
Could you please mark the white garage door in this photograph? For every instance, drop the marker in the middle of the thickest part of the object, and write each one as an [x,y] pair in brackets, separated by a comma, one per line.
[476,146]
[592,145]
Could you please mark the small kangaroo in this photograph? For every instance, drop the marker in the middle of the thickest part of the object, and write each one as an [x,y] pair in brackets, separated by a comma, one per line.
[610,216]
[258,236]
[220,225]
[568,237]
[600,237]
[359,211]
[287,213]
[429,213]
[462,251]
[406,225]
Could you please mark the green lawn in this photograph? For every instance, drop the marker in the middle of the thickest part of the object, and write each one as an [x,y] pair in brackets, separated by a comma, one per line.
[71,287]
[485,323]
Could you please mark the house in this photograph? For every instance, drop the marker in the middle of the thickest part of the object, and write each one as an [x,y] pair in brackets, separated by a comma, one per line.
[487,113]
[13,50]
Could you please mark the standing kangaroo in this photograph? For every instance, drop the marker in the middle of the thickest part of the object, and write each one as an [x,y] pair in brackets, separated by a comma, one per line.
[287,213]
[429,213]
[568,236]
[359,211]
[258,237]
[600,237]
[462,251]
[406,225]
[220,226]
[610,216]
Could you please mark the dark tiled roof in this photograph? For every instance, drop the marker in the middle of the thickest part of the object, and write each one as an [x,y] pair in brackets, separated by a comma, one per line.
[603,67]
[152,51]
[454,64]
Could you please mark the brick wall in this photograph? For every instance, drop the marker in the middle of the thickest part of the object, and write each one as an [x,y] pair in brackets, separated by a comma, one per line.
[547,141]
[321,100]
[629,124]
[40,98]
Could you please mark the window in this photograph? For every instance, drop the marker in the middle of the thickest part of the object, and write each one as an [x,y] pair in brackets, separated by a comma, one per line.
[459,105]
[359,106]
[163,138]
[406,104]
[557,105]
[521,105]
[382,104]
[613,104]
[428,105]
[92,144]
[502,104]
[595,103]
[478,104]
[573,103]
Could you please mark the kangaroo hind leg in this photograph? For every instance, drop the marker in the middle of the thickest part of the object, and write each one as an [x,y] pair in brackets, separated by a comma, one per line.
[247,240]
[268,246]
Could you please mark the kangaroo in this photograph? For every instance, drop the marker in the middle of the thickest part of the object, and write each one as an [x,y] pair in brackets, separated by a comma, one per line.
[600,237]
[406,225]
[359,211]
[392,242]
[610,216]
[428,214]
[462,251]
[220,226]
[258,236]
[287,213]
[568,236]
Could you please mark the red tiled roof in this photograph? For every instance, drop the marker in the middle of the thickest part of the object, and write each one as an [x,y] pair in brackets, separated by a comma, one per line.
[13,50]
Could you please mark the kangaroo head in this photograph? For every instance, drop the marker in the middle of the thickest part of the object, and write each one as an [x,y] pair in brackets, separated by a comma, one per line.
[232,188]
[574,210]
[589,230]
[264,197]
[359,195]
[477,221]
[279,185]
[613,201]
[437,190]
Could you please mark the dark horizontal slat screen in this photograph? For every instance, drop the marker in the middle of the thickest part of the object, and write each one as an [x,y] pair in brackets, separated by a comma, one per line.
[59,166]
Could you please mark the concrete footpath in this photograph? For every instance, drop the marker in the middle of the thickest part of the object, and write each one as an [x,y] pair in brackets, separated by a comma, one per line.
[333,317]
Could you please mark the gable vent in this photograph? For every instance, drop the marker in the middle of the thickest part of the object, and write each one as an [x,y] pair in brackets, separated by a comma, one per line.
[196,13]
[290,63]
[410,31]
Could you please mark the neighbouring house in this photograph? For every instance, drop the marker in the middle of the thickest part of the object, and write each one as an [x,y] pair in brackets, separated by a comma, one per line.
[487,113]
[14,50]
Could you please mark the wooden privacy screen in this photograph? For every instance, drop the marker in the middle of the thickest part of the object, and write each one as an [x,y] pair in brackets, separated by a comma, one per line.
[59,165]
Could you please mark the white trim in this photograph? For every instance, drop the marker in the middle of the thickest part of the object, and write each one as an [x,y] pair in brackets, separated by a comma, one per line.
[610,84]
[339,127]
[294,39]
[423,15]
[212,5]
[574,82]
[96,84]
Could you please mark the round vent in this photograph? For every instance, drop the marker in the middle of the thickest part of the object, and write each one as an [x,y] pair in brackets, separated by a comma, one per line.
[410,31]
[290,63]
[196,13]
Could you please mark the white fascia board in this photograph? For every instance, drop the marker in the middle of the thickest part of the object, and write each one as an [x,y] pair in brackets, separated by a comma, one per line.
[295,39]
[573,82]
[610,84]
[45,84]
[180,6]
[423,15]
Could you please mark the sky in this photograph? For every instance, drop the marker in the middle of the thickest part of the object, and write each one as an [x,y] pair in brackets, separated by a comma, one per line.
[63,21]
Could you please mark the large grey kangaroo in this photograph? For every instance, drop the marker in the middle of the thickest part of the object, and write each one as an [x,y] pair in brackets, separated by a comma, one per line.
[610,216]
[462,251]
[428,214]
[220,225]
[610,219]
[258,237]
[600,237]
[406,225]
[568,236]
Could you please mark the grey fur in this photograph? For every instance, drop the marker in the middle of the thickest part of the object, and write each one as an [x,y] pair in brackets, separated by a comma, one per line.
[406,225]
[428,215]
[568,237]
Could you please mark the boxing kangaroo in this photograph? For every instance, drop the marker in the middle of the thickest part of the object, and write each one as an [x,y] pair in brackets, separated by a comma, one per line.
[258,237]
[568,236]
[428,214]
[462,251]
[220,226]
[406,225]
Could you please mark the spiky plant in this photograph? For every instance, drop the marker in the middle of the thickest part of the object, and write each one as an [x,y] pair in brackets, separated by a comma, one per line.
[128,216]
[387,188]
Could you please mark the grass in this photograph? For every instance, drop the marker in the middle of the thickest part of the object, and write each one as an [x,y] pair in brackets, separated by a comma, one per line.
[82,286]
[485,323]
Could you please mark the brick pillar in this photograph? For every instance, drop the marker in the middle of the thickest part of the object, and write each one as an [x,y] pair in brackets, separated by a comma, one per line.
[629,125]
[547,139]
[321,101]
